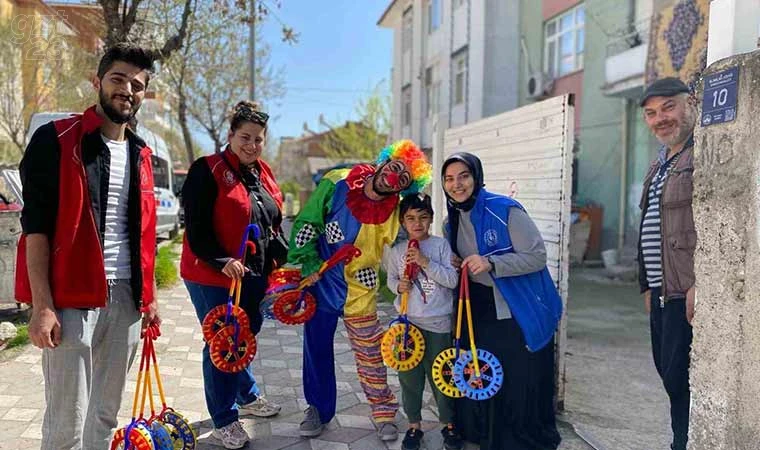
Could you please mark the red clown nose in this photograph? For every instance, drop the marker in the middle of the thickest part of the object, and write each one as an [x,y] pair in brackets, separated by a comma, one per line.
[392,179]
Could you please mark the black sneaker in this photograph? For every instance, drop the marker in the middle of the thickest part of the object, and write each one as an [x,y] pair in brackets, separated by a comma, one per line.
[451,438]
[412,439]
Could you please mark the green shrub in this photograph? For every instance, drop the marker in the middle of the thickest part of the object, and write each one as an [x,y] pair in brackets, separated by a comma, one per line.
[166,269]
[22,336]
[386,296]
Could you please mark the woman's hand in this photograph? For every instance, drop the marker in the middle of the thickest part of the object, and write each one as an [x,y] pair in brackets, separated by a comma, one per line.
[234,269]
[477,264]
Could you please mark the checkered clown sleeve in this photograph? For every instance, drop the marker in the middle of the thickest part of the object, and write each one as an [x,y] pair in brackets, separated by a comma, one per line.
[309,224]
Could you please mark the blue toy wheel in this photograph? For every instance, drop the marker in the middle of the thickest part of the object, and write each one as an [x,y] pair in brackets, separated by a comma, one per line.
[182,432]
[161,434]
[491,375]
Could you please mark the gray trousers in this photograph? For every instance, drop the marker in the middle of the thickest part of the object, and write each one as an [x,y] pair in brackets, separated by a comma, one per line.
[85,374]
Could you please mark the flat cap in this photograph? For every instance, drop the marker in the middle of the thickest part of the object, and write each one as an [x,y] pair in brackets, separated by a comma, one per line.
[664,87]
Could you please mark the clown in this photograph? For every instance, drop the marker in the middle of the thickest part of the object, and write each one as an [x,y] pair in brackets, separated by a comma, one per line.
[352,206]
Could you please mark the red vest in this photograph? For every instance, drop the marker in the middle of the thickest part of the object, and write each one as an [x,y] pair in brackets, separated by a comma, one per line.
[77,270]
[230,217]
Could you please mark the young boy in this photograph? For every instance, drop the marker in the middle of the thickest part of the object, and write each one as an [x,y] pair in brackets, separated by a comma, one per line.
[429,309]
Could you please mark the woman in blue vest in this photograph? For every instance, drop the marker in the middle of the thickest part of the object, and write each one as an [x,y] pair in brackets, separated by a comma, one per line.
[515,308]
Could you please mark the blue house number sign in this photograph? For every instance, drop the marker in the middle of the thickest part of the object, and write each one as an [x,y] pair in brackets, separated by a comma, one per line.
[719,101]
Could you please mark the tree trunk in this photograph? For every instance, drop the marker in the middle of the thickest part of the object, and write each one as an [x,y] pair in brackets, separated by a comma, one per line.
[182,116]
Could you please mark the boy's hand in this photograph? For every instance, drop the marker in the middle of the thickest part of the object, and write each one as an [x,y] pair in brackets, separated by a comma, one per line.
[414,255]
[404,285]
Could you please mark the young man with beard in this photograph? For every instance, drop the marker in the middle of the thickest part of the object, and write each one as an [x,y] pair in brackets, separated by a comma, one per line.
[360,207]
[87,253]
[667,241]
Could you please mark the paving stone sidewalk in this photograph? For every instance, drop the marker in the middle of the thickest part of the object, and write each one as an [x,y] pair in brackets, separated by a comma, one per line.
[277,369]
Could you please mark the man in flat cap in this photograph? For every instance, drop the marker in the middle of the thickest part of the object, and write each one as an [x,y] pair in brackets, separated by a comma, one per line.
[667,241]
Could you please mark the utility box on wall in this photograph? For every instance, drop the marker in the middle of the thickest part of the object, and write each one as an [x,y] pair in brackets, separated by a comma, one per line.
[10,231]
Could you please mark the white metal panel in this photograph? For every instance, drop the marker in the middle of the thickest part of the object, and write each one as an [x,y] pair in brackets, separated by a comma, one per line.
[527,154]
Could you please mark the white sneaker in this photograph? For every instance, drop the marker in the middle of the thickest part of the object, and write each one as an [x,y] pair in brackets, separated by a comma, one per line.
[261,407]
[232,436]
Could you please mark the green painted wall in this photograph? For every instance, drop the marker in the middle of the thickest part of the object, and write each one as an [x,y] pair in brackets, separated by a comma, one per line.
[600,132]
[531,30]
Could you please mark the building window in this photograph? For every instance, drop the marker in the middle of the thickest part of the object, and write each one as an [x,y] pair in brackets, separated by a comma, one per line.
[432,91]
[458,3]
[434,15]
[406,95]
[460,78]
[406,31]
[564,42]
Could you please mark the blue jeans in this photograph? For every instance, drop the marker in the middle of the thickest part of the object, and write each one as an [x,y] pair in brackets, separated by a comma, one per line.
[225,391]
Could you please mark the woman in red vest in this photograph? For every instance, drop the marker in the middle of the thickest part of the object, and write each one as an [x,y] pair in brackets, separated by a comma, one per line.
[223,194]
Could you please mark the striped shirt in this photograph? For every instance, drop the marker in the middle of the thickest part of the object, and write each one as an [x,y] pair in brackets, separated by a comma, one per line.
[651,231]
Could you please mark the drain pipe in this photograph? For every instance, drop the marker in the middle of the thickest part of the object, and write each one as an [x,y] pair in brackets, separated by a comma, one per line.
[623,176]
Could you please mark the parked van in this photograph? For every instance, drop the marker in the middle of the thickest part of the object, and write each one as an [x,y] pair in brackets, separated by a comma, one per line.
[167,206]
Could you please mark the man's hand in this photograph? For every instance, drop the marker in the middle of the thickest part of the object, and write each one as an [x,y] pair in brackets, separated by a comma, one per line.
[150,317]
[648,300]
[404,285]
[415,256]
[477,264]
[690,294]
[234,269]
[313,278]
[45,328]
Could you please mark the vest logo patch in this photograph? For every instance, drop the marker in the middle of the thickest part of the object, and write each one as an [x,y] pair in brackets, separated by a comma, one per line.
[490,237]
[229,178]
[144,177]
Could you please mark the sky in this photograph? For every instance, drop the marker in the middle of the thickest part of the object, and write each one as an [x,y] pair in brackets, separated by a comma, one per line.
[341,55]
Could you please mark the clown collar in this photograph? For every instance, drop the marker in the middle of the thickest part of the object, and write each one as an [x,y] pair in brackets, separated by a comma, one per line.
[363,208]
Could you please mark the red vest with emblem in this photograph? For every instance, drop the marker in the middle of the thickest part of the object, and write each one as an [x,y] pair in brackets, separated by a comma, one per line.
[230,217]
[77,268]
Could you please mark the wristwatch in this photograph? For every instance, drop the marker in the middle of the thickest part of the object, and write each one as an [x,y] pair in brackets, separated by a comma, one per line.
[490,261]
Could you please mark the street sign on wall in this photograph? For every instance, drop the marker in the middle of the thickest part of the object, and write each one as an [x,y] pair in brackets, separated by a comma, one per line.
[719,100]
[526,154]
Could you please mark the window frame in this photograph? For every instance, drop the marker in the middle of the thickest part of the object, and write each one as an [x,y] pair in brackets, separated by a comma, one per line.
[553,41]
[407,30]
[406,105]
[434,17]
[460,62]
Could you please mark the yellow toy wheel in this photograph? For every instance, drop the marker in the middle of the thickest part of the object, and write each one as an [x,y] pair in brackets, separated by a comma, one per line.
[443,373]
[401,355]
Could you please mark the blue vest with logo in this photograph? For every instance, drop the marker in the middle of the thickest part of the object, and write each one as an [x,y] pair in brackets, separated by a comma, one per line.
[532,298]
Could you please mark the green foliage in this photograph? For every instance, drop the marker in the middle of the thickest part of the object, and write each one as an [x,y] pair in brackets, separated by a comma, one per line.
[290,187]
[22,337]
[166,269]
[362,140]
[385,294]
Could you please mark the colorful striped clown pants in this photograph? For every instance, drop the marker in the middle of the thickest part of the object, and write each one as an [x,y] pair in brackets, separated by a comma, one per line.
[319,382]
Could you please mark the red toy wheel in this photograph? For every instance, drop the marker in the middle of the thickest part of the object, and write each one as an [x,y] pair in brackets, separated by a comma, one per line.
[231,356]
[215,320]
[285,307]
[139,438]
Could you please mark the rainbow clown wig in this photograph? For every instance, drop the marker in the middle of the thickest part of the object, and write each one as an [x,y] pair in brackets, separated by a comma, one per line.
[407,151]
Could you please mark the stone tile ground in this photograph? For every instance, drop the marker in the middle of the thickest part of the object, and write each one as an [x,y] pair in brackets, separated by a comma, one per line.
[277,368]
